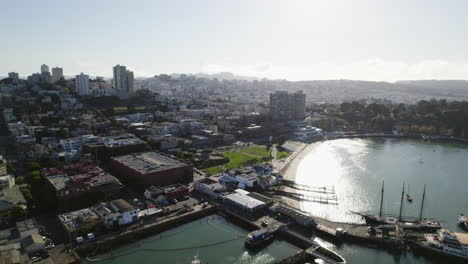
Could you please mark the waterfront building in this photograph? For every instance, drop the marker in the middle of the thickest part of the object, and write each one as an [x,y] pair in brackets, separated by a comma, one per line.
[80,221]
[123,81]
[57,74]
[82,84]
[242,200]
[307,132]
[209,187]
[286,106]
[152,168]
[116,213]
[165,193]
[14,77]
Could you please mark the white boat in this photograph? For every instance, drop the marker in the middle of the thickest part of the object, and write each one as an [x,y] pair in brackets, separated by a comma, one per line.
[462,219]
[447,243]
[196,260]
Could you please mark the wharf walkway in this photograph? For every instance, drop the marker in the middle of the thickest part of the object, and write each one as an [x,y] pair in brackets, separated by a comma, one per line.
[309,188]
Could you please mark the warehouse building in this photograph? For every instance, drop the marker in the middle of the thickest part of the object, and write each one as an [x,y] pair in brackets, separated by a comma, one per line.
[151,168]
[242,200]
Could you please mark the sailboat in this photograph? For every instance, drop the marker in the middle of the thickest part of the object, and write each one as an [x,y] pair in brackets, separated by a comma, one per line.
[424,224]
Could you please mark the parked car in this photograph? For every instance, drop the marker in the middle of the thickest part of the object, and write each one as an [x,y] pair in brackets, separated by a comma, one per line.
[35,259]
[50,246]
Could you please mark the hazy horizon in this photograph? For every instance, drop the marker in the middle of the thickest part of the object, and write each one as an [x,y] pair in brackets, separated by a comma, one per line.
[297,40]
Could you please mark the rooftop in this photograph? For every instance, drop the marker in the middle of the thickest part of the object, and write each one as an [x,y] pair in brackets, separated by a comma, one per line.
[122,205]
[149,162]
[63,181]
[10,197]
[123,140]
[244,200]
[70,170]
[75,220]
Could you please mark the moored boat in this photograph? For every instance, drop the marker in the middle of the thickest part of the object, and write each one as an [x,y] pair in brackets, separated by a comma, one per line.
[447,243]
[258,239]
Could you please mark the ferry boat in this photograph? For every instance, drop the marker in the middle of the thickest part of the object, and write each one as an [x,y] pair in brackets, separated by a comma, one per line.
[447,243]
[258,238]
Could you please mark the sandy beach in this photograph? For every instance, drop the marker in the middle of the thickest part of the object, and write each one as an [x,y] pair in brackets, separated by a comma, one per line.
[290,172]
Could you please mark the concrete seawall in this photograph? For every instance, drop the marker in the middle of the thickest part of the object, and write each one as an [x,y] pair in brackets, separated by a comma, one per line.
[127,237]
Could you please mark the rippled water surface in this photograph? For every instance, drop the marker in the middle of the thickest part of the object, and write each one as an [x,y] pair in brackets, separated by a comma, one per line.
[179,245]
[357,167]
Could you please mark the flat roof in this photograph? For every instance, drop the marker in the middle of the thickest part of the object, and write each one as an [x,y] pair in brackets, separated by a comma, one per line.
[76,219]
[148,162]
[244,200]
[92,179]
[122,205]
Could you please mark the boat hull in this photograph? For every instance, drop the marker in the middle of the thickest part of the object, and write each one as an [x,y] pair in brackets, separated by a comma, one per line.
[258,244]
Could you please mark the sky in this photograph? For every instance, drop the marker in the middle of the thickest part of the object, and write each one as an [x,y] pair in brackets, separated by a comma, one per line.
[371,40]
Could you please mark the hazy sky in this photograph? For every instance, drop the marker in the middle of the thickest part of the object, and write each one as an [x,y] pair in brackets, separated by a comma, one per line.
[296,40]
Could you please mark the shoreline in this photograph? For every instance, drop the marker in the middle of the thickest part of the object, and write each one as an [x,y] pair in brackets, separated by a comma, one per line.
[291,168]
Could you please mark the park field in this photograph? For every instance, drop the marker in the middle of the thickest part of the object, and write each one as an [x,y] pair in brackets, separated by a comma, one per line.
[242,158]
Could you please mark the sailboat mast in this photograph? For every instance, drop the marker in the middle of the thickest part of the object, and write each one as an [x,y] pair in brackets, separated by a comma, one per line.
[422,204]
[401,202]
[381,199]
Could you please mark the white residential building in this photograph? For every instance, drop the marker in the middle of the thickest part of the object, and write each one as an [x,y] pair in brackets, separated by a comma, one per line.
[117,213]
[82,84]
[70,144]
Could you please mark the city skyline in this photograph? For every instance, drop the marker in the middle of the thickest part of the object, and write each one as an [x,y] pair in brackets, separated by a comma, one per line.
[386,42]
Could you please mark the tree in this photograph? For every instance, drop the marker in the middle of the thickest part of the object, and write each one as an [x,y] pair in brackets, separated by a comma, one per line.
[18,212]
[27,194]
[33,177]
[20,180]
[11,169]
[32,166]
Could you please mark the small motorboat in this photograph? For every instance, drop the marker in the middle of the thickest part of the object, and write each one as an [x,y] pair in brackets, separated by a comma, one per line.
[409,198]
[196,260]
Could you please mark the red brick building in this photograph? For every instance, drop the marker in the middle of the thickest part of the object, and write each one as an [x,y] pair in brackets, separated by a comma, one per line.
[151,168]
[77,185]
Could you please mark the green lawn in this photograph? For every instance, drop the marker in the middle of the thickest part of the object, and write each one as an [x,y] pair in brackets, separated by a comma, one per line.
[242,158]
[258,151]
[214,170]
[120,109]
[282,154]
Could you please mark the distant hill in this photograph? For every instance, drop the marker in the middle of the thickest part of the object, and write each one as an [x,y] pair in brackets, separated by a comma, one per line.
[220,76]
[438,84]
